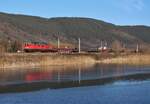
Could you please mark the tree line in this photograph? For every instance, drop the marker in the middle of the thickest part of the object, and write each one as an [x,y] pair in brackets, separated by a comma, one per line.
[10,46]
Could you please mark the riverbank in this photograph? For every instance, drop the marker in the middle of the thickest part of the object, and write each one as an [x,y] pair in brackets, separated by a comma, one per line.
[11,60]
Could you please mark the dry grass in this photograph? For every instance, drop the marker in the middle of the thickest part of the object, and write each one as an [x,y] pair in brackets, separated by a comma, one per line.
[46,59]
[37,59]
[137,59]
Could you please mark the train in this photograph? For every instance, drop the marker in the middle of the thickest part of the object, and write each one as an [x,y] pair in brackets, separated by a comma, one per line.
[45,47]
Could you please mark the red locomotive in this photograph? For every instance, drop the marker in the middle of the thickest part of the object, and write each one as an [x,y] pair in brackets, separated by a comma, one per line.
[45,47]
[38,47]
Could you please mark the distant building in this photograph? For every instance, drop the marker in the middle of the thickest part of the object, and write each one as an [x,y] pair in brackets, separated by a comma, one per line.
[104,48]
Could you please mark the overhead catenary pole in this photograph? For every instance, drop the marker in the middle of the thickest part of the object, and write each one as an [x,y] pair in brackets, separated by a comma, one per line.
[101,45]
[124,46]
[58,43]
[105,43]
[79,45]
[137,48]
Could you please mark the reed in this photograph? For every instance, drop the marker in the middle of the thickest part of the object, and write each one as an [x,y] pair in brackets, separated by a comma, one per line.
[44,59]
[136,59]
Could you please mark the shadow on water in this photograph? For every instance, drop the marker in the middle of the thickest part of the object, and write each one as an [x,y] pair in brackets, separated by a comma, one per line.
[55,77]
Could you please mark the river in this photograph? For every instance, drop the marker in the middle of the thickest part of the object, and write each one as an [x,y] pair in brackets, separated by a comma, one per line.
[78,84]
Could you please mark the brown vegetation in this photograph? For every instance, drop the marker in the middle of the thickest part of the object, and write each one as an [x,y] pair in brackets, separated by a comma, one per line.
[45,59]
[117,46]
[135,59]
[37,59]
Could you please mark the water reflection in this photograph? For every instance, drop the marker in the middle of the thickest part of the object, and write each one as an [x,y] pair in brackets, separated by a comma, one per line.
[70,76]
[37,76]
[68,73]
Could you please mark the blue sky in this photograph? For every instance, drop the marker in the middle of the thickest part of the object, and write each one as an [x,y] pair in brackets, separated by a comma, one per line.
[120,12]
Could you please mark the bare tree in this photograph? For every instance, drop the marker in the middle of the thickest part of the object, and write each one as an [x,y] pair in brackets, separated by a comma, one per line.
[15,46]
[3,46]
[10,46]
[116,46]
[2,49]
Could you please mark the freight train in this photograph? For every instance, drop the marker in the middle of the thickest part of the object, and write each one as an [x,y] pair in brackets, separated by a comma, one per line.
[45,47]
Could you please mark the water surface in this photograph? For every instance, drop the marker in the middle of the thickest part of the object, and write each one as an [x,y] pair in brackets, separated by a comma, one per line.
[54,77]
[97,84]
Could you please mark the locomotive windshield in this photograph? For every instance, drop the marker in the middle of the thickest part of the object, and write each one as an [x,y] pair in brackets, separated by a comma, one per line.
[44,43]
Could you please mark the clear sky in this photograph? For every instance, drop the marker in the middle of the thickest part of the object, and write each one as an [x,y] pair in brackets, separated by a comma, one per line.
[120,12]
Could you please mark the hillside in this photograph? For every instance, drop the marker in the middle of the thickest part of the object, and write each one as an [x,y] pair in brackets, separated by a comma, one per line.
[30,28]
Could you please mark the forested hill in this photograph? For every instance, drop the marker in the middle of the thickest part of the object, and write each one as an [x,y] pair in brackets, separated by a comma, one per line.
[91,31]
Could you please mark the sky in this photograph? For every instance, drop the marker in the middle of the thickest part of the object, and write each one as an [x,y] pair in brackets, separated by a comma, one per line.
[119,12]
